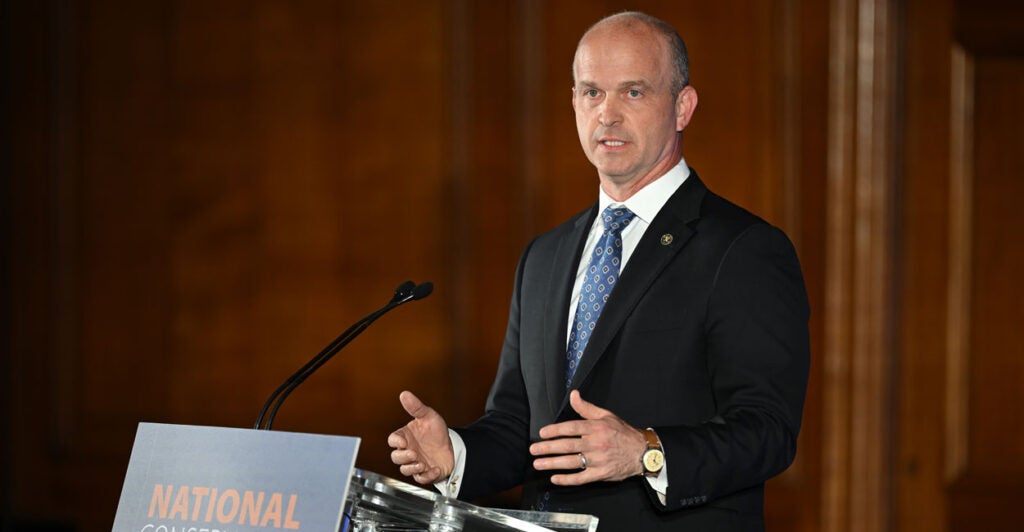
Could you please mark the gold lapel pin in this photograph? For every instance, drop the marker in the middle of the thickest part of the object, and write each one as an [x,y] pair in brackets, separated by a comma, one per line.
[666,239]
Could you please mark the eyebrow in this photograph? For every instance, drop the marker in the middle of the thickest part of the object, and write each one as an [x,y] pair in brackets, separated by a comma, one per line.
[624,85]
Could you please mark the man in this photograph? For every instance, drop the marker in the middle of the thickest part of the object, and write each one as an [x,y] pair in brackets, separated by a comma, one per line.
[655,363]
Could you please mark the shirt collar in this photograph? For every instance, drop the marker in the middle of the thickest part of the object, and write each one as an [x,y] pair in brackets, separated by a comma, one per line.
[649,200]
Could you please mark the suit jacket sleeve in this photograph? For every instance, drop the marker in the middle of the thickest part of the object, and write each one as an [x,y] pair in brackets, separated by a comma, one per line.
[757,355]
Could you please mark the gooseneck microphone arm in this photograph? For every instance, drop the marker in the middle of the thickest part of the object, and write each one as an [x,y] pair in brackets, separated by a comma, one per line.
[401,292]
[407,291]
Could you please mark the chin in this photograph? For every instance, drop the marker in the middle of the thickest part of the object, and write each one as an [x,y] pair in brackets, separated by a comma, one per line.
[612,172]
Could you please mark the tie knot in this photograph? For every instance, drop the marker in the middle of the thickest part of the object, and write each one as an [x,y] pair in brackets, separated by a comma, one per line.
[616,219]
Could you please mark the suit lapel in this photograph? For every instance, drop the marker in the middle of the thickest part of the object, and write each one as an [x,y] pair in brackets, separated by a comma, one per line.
[564,264]
[653,253]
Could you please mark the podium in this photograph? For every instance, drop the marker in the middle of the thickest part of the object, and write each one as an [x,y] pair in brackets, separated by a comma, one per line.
[377,503]
[186,477]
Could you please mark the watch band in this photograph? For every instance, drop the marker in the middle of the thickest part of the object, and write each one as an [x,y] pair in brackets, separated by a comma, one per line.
[653,441]
[653,459]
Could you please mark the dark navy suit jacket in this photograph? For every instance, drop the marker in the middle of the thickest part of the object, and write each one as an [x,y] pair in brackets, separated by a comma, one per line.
[704,339]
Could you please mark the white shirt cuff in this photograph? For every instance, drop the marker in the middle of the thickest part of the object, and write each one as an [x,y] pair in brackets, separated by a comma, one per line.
[449,487]
[660,483]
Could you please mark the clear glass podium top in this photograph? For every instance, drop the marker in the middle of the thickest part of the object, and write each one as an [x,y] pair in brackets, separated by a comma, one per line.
[377,504]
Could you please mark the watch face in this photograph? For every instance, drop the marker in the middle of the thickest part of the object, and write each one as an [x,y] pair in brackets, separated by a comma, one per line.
[654,460]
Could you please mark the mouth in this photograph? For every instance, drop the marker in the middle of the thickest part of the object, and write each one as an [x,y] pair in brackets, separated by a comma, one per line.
[611,143]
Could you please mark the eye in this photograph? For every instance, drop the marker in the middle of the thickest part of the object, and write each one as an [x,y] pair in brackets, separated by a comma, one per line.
[591,93]
[634,93]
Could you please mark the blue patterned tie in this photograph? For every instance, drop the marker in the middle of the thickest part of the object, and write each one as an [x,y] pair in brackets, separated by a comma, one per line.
[601,276]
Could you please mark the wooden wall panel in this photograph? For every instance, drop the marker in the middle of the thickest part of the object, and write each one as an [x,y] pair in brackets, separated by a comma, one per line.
[488,157]
[997,362]
[236,161]
[924,271]
[810,167]
[959,424]
[206,194]
[990,481]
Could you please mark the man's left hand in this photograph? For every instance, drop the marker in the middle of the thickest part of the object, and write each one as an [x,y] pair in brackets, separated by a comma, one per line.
[613,449]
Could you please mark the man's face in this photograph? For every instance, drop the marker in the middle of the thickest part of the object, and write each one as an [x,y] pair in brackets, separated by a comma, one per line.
[627,116]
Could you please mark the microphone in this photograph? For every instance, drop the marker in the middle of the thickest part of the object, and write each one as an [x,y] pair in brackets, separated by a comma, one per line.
[422,290]
[407,291]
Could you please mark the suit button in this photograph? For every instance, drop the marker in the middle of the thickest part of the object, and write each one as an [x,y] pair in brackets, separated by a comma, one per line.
[542,503]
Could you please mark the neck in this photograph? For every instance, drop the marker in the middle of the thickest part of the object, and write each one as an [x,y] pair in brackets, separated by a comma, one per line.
[620,191]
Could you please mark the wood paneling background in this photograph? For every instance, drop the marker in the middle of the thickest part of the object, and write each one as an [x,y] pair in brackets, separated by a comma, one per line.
[197,196]
[960,447]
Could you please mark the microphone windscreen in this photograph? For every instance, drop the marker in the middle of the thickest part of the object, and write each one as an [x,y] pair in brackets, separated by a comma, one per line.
[422,291]
[403,291]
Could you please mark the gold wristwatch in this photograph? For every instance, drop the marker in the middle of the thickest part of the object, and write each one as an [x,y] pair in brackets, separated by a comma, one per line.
[654,457]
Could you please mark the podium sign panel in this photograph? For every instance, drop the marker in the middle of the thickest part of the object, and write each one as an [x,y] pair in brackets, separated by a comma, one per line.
[184,477]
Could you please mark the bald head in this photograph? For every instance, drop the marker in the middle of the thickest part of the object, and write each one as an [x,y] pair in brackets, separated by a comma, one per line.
[641,25]
[632,100]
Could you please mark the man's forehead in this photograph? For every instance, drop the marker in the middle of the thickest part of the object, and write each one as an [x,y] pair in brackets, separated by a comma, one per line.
[621,64]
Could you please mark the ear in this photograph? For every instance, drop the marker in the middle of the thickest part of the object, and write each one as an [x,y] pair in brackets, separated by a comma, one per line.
[686,104]
[573,89]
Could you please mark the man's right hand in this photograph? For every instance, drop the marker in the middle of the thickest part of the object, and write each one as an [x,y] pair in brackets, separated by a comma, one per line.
[422,448]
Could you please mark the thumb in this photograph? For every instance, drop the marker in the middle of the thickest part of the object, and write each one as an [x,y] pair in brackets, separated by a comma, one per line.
[413,405]
[586,409]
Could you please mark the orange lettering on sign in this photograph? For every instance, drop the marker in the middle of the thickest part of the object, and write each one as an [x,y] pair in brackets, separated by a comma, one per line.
[161,500]
[289,522]
[180,508]
[273,511]
[227,516]
[251,507]
[247,508]
[199,492]
[209,507]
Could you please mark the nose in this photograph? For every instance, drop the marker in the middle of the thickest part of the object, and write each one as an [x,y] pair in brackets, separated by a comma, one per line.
[609,113]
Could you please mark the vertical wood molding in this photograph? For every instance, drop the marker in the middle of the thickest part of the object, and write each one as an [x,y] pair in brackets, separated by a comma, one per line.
[874,244]
[835,469]
[960,244]
[858,344]
[836,433]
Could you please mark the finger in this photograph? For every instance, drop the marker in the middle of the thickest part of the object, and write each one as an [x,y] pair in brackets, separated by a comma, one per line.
[565,429]
[397,441]
[586,409]
[412,404]
[558,446]
[575,479]
[413,469]
[429,476]
[403,457]
[563,462]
